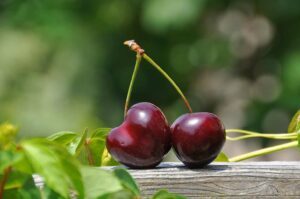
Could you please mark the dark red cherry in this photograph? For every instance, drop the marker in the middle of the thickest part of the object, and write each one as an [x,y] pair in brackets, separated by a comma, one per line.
[142,139]
[197,138]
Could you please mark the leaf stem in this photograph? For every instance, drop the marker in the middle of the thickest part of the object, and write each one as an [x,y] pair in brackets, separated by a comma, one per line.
[42,194]
[155,65]
[133,77]
[89,153]
[4,179]
[263,151]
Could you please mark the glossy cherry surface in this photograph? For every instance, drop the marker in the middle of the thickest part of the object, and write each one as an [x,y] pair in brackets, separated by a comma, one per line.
[197,138]
[142,139]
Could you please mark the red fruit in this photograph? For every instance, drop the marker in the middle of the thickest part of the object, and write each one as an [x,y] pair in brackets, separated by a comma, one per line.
[142,139]
[197,138]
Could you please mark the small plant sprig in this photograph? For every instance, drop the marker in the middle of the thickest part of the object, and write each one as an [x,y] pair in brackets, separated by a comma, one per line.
[293,135]
[293,129]
[66,162]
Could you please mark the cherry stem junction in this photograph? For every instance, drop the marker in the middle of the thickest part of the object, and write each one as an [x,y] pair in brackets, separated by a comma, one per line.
[137,48]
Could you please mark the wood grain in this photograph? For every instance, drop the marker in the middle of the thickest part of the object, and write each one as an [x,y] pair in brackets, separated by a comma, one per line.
[220,180]
[224,180]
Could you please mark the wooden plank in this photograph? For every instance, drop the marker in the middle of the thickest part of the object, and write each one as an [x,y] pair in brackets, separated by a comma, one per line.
[221,180]
[226,180]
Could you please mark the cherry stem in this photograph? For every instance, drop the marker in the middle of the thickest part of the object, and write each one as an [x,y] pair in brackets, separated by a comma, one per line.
[133,77]
[141,52]
[263,151]
[187,104]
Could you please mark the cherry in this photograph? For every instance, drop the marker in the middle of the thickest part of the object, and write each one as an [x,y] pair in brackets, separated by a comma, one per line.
[197,138]
[142,139]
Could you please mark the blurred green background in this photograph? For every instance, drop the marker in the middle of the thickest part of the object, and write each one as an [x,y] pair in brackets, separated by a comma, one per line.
[63,65]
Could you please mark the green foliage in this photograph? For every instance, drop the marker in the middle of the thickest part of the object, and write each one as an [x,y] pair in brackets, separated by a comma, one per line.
[96,146]
[8,133]
[27,191]
[16,179]
[222,157]
[163,194]
[100,133]
[78,146]
[107,159]
[98,182]
[299,141]
[127,181]
[54,159]
[47,193]
[63,137]
[8,158]
[118,195]
[294,125]
[89,148]
[59,169]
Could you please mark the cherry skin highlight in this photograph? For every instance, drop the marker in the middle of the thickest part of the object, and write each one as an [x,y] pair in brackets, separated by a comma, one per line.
[197,138]
[142,139]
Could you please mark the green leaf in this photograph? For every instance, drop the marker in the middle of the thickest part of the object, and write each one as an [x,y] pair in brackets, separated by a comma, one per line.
[127,181]
[222,157]
[294,125]
[299,141]
[16,179]
[8,134]
[27,191]
[8,194]
[23,165]
[107,159]
[100,132]
[80,142]
[76,146]
[124,194]
[164,194]
[63,137]
[59,169]
[50,194]
[74,142]
[96,147]
[8,158]
[98,182]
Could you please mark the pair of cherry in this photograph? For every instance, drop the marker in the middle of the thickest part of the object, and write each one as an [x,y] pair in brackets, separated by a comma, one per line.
[144,137]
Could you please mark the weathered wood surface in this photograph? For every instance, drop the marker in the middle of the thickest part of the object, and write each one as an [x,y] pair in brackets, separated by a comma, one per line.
[220,180]
[224,180]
